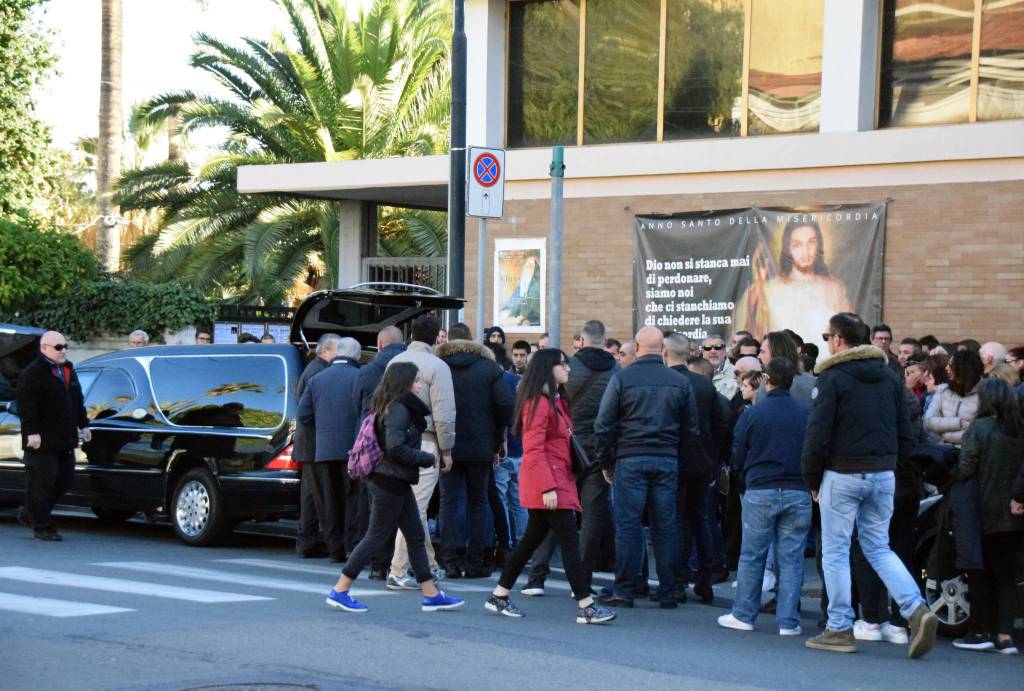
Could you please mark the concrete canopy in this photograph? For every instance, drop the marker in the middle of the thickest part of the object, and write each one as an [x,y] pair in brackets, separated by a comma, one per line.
[416,182]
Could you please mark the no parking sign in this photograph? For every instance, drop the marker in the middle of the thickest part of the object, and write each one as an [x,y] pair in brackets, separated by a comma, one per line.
[485,193]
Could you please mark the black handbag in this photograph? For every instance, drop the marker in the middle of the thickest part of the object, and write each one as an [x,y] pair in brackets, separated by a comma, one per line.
[581,462]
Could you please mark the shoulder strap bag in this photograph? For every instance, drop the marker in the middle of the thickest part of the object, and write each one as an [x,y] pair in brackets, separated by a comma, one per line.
[581,462]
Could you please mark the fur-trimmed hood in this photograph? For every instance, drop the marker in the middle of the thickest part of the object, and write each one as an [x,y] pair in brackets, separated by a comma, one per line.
[855,354]
[461,353]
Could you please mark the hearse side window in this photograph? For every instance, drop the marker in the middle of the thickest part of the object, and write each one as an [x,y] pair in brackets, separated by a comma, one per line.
[109,395]
[86,378]
[227,391]
[351,313]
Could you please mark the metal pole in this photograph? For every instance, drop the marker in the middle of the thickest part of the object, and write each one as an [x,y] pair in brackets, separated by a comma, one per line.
[555,278]
[481,272]
[457,160]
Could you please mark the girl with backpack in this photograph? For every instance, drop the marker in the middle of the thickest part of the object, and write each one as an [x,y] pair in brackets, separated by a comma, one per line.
[399,422]
[547,488]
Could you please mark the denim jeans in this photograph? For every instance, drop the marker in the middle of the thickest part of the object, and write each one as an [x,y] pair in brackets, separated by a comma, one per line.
[464,509]
[780,517]
[650,481]
[864,499]
[506,477]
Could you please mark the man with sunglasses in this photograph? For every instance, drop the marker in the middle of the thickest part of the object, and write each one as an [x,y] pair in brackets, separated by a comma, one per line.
[52,412]
[724,379]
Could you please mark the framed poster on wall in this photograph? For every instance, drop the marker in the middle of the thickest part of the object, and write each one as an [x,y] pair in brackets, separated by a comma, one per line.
[520,267]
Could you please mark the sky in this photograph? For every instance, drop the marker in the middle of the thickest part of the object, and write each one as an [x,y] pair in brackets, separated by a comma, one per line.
[157,45]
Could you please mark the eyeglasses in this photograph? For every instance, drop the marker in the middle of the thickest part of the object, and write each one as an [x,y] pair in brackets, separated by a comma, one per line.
[203,339]
[826,337]
[58,347]
[713,347]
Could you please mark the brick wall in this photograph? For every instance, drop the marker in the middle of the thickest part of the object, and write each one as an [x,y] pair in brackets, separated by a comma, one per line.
[954,254]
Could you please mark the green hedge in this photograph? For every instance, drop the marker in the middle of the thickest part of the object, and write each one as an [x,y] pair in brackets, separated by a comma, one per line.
[35,264]
[116,308]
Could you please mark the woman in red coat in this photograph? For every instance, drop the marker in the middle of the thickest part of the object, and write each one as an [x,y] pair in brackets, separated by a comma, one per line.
[547,488]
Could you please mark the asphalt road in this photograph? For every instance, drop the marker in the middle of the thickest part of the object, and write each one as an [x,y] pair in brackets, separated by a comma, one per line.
[130,607]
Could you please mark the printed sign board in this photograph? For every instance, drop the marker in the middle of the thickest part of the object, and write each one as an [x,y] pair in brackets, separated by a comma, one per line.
[485,193]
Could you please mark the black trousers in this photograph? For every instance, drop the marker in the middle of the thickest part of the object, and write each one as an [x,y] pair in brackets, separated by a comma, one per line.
[597,516]
[501,536]
[562,523]
[874,598]
[691,512]
[48,475]
[322,506]
[994,589]
[390,509]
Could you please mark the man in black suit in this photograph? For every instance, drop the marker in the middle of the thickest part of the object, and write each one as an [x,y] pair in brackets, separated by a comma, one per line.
[52,412]
[698,465]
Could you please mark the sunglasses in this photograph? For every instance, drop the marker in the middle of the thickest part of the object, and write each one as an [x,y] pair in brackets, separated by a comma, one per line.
[712,347]
[58,347]
[826,337]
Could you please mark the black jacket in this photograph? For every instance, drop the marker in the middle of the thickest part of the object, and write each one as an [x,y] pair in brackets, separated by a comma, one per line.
[304,441]
[1017,492]
[483,403]
[49,408]
[399,435]
[370,376]
[327,404]
[647,410]
[859,421]
[588,362]
[713,422]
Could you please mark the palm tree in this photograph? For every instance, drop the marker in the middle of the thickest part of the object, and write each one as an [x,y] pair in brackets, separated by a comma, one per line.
[337,89]
[108,159]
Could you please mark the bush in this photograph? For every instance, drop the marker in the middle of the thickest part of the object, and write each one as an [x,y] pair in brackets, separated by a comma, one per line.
[36,265]
[116,308]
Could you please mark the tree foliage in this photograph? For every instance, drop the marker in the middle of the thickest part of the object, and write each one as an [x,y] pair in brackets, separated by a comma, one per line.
[336,89]
[35,264]
[115,307]
[25,61]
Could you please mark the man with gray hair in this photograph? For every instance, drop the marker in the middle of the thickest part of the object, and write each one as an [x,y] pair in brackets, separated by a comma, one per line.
[138,339]
[714,350]
[992,354]
[590,369]
[308,541]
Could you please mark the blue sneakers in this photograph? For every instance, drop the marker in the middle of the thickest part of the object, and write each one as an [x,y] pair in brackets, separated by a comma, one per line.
[441,602]
[346,602]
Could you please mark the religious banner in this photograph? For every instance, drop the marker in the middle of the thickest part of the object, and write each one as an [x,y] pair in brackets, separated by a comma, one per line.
[519,284]
[758,269]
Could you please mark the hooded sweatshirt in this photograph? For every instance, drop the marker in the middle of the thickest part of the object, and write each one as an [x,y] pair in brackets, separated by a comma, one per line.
[585,363]
[483,402]
[859,421]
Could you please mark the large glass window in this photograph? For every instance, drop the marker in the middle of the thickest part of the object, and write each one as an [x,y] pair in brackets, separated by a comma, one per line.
[543,72]
[1001,69]
[703,68]
[239,391]
[926,62]
[620,95]
[785,66]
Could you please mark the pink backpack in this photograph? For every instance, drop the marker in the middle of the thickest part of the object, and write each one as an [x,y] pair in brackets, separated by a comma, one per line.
[366,453]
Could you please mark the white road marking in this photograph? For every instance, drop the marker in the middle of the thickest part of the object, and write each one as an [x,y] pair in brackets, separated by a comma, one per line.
[54,608]
[454,585]
[237,579]
[118,585]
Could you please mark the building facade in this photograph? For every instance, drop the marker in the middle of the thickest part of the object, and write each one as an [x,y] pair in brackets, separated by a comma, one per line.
[668,106]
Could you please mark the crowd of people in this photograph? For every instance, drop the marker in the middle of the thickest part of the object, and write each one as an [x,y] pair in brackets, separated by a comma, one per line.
[740,456]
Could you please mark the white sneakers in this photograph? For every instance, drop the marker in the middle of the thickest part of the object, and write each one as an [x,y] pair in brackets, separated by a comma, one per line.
[730,622]
[863,631]
[790,632]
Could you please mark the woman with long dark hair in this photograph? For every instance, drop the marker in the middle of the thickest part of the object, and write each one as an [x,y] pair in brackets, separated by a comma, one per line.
[399,425]
[952,410]
[993,450]
[547,488]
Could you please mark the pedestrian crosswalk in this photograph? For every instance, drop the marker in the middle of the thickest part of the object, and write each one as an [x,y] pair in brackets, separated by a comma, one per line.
[133,583]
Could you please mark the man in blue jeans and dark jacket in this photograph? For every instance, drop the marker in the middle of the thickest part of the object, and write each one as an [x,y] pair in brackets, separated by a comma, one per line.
[647,414]
[776,504]
[857,430]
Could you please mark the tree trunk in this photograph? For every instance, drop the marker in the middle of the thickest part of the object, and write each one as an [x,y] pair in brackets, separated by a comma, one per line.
[175,152]
[111,133]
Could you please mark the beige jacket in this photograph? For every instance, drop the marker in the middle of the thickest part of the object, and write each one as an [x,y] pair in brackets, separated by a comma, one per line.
[949,415]
[436,391]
